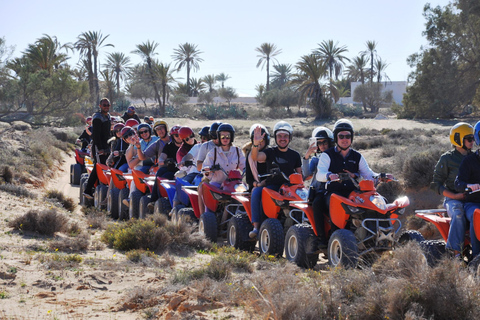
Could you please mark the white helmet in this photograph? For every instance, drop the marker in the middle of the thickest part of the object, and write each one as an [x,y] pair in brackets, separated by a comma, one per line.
[283,126]
[322,133]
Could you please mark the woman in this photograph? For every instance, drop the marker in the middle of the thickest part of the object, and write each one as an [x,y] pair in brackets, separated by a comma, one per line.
[117,159]
[321,140]
[146,139]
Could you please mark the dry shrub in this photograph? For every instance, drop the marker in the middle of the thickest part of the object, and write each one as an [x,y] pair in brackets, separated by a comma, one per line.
[368,143]
[45,222]
[17,190]
[418,168]
[59,260]
[7,174]
[146,257]
[391,190]
[76,244]
[66,202]
[96,219]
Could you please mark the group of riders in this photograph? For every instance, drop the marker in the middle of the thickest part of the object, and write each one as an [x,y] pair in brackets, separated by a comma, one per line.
[125,144]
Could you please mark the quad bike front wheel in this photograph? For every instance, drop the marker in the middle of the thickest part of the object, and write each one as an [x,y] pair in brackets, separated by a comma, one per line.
[343,249]
[122,209]
[99,196]
[239,227]
[75,174]
[134,205]
[271,238]
[186,215]
[434,250]
[208,225]
[143,207]
[175,213]
[299,246]
[410,235]
[112,202]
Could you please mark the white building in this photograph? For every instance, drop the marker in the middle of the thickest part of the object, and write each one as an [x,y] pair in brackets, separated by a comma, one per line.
[398,88]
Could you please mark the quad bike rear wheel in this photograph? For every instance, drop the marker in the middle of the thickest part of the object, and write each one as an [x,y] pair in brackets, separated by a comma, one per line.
[122,209]
[99,196]
[239,227]
[433,250]
[474,264]
[343,249]
[410,235]
[271,238]
[112,202]
[186,215]
[300,245]
[134,207]
[208,225]
[143,207]
[175,213]
[75,174]
[165,206]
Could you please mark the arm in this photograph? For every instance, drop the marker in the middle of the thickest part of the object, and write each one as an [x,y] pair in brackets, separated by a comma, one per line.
[132,158]
[322,168]
[364,170]
[258,156]
[440,175]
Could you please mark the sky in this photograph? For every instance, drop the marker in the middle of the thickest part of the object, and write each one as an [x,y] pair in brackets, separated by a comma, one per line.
[226,32]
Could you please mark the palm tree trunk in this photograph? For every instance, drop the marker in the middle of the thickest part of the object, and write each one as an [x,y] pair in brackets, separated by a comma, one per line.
[155,89]
[268,74]
[188,79]
[95,79]
[164,96]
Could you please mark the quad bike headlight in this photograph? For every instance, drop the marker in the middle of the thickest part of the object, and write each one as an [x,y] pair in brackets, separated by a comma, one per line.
[379,202]
[302,193]
[240,187]
[355,209]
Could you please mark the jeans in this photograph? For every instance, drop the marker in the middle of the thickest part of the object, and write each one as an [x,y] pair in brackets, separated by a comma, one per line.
[256,201]
[164,173]
[458,224]
[469,208]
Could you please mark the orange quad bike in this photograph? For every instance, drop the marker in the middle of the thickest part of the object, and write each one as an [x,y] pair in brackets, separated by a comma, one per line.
[276,207]
[219,203]
[78,168]
[240,223]
[358,226]
[119,190]
[83,182]
[101,188]
[143,183]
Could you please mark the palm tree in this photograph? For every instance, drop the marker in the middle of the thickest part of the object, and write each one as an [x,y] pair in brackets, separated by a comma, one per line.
[281,75]
[333,56]
[196,86]
[210,81]
[187,55]
[108,78]
[267,51]
[380,67]
[372,51]
[222,77]
[165,76]
[310,69]
[146,50]
[45,55]
[120,65]
[89,44]
[357,70]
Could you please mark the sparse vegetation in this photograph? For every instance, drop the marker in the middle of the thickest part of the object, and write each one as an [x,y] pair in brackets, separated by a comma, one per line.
[45,222]
[66,202]
[17,190]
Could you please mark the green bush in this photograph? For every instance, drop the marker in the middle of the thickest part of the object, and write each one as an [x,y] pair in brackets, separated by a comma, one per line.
[213,112]
[349,110]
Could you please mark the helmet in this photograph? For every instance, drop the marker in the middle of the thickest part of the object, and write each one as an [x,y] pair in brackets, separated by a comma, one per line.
[322,133]
[342,125]
[174,130]
[146,118]
[160,123]
[264,130]
[126,131]
[213,130]
[132,123]
[477,133]
[118,127]
[283,126]
[151,119]
[185,132]
[204,132]
[229,128]
[145,125]
[89,118]
[460,131]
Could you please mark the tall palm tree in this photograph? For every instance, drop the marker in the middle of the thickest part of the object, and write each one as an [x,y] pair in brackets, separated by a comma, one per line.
[146,50]
[267,51]
[380,67]
[222,77]
[333,56]
[310,69]
[281,75]
[166,78]
[120,65]
[187,55]
[372,51]
[89,44]
[357,70]
[197,86]
[210,81]
[45,53]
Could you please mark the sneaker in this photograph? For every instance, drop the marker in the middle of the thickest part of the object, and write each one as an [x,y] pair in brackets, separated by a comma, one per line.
[253,234]
[126,202]
[88,196]
[151,206]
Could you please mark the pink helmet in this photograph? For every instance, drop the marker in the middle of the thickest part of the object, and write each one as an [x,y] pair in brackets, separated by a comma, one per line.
[132,123]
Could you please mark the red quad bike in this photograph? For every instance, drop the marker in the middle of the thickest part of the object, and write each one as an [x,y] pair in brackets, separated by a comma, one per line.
[240,223]
[104,177]
[218,202]
[77,169]
[83,184]
[280,217]
[360,225]
[138,203]
[119,190]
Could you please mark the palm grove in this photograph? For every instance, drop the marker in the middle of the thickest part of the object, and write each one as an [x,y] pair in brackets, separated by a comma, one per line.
[41,85]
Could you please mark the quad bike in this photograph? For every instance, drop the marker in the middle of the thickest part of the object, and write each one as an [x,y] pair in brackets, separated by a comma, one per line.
[240,223]
[83,182]
[101,188]
[118,190]
[77,169]
[138,198]
[218,202]
[280,217]
[358,226]
[187,195]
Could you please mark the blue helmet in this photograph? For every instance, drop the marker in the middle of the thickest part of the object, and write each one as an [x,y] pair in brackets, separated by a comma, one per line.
[476,133]
[145,126]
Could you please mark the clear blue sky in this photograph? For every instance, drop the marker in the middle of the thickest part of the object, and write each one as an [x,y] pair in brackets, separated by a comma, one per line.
[227,32]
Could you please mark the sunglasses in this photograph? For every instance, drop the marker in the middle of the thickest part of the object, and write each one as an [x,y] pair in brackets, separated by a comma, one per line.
[175,135]
[224,137]
[188,138]
[129,134]
[142,132]
[320,142]
[105,105]
[344,136]
[469,138]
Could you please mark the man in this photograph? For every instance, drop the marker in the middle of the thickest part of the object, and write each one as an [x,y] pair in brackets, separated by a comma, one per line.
[339,159]
[446,170]
[130,114]
[100,148]
[289,161]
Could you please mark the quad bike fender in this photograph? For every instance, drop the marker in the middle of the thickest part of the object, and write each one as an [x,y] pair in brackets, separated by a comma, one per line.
[308,210]
[210,202]
[103,174]
[192,194]
[476,223]
[181,195]
[436,217]
[170,189]
[80,156]
[118,178]
[143,182]
[244,200]
[269,204]
[338,215]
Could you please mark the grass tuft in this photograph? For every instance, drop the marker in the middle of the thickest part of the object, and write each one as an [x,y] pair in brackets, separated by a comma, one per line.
[45,222]
[66,202]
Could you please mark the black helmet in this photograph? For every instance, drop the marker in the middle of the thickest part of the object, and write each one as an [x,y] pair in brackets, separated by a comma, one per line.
[213,130]
[228,128]
[264,130]
[204,132]
[342,125]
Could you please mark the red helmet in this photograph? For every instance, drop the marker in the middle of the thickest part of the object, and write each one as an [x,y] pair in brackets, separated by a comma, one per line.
[132,123]
[127,131]
[118,127]
[88,119]
[174,130]
[185,132]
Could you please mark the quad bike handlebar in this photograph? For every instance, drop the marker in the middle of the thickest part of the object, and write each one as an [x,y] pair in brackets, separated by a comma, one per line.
[470,191]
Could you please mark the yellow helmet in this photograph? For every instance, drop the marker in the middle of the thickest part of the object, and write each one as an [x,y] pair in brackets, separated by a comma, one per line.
[459,132]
